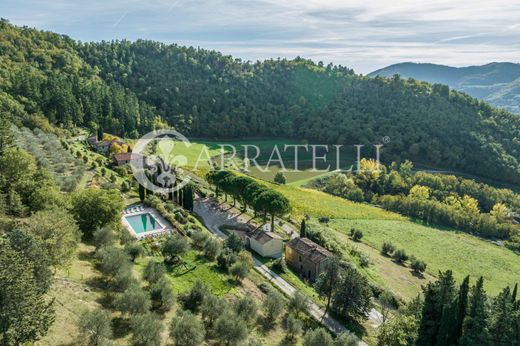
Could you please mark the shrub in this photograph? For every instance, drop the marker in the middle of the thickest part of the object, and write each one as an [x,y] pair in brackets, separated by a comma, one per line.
[95,327]
[186,329]
[364,260]
[387,248]
[418,266]
[212,248]
[146,329]
[279,178]
[323,220]
[356,234]
[239,270]
[400,256]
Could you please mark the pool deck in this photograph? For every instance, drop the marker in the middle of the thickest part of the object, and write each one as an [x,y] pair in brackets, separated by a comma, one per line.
[165,227]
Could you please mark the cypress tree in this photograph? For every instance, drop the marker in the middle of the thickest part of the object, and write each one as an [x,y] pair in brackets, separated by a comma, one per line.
[180,197]
[501,319]
[188,198]
[475,330]
[462,306]
[142,193]
[99,134]
[438,299]
[303,229]
[513,295]
[175,193]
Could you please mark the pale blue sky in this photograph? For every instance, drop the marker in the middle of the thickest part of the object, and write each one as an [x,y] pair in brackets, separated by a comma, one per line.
[364,35]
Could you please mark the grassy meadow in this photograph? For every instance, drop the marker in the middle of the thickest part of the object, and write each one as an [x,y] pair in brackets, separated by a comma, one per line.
[198,151]
[440,249]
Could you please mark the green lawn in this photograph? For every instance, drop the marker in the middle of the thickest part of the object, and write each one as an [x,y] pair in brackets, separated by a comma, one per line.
[441,249]
[195,154]
[319,204]
[197,268]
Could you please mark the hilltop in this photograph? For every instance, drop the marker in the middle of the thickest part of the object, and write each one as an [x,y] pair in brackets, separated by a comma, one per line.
[497,83]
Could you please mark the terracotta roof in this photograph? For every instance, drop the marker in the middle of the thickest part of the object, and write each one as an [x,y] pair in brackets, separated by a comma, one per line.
[309,249]
[263,237]
[123,156]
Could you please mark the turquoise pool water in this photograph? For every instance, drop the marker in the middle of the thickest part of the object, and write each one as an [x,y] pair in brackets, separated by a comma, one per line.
[142,223]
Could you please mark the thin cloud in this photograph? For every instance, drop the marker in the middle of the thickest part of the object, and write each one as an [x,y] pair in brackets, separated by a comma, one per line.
[361,34]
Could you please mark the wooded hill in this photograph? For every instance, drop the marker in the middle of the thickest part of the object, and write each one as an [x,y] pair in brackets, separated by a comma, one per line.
[129,88]
[497,83]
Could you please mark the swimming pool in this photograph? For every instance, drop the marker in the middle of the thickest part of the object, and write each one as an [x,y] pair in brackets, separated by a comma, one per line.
[142,223]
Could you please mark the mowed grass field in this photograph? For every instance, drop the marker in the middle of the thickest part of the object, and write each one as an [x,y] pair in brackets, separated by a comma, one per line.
[197,268]
[442,250]
[197,152]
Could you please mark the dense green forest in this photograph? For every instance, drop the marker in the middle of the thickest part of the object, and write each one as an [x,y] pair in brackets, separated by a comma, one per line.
[129,88]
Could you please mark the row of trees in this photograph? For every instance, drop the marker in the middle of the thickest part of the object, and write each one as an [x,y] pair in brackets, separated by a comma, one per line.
[259,197]
[451,315]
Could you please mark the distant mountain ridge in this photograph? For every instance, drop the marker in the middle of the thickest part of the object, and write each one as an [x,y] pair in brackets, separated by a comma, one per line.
[497,83]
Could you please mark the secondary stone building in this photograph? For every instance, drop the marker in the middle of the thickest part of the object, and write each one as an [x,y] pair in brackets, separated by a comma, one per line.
[306,257]
[122,159]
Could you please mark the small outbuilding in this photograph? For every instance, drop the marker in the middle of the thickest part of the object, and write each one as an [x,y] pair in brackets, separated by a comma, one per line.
[264,243]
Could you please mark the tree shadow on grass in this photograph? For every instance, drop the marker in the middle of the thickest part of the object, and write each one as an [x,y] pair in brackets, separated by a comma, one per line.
[266,323]
[86,255]
[417,274]
[287,340]
[120,327]
[352,325]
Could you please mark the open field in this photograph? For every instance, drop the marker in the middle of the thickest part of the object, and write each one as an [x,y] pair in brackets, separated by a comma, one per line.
[319,204]
[442,249]
[195,154]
